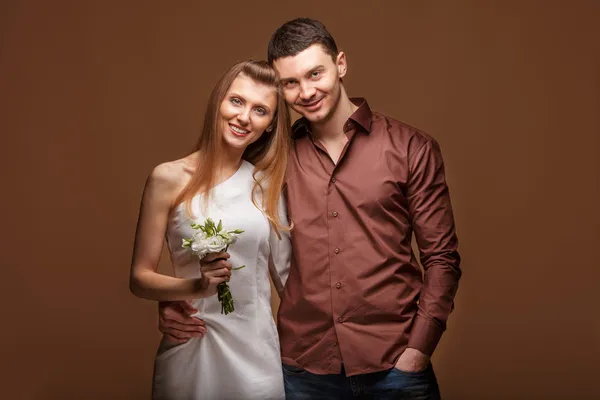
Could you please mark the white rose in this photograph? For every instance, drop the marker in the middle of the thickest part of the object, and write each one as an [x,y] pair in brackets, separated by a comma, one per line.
[200,244]
[216,244]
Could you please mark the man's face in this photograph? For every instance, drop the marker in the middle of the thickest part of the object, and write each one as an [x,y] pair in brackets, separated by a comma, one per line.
[311,82]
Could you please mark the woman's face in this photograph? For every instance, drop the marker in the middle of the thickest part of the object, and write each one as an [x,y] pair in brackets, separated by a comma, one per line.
[246,111]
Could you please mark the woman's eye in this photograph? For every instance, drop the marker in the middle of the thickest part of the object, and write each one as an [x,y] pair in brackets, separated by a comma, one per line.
[261,111]
[236,101]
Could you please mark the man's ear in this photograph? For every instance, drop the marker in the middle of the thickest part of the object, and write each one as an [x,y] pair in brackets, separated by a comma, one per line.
[341,64]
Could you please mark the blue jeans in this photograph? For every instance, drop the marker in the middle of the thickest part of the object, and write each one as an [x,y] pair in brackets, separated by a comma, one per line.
[389,384]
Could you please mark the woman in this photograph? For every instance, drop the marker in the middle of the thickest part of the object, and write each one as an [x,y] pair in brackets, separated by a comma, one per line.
[235,175]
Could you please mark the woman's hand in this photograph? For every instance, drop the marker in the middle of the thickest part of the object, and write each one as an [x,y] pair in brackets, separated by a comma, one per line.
[215,270]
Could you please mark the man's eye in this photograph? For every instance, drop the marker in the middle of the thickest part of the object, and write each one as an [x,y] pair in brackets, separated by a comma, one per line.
[290,84]
[315,74]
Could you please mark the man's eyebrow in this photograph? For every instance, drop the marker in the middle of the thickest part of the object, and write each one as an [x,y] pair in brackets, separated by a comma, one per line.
[310,71]
[314,69]
[318,67]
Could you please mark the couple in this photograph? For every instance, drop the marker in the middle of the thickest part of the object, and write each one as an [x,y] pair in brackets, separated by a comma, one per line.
[358,317]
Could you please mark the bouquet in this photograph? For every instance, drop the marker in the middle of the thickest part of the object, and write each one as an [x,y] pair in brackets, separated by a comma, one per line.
[212,238]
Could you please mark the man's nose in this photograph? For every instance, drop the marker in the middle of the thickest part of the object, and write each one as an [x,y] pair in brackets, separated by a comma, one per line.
[307,91]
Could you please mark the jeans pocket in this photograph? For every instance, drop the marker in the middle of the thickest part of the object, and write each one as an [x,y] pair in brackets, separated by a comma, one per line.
[420,384]
[291,370]
[411,373]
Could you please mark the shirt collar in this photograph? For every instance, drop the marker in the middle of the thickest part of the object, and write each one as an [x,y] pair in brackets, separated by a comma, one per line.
[362,117]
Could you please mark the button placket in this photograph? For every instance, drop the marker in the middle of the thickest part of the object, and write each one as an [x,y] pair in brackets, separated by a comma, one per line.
[335,236]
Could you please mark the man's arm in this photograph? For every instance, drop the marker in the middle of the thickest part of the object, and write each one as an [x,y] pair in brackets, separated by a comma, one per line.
[280,251]
[176,322]
[433,225]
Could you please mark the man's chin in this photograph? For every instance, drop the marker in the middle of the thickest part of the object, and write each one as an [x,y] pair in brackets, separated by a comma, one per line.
[318,116]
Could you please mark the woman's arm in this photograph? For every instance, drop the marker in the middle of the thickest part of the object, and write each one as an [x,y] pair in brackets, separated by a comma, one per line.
[162,186]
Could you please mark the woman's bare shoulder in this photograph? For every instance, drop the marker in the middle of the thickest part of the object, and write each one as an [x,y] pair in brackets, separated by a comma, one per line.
[171,177]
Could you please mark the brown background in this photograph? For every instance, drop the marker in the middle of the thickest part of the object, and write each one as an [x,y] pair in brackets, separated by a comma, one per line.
[95,93]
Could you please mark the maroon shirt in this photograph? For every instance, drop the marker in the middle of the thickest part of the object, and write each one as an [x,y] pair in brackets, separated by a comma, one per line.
[355,293]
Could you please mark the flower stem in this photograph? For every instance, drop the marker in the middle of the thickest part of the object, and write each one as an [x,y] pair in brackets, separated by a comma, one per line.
[224,296]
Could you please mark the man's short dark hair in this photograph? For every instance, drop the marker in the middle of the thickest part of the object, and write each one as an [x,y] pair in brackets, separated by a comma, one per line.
[298,35]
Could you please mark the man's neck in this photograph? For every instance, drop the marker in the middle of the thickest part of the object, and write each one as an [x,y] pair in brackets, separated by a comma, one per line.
[334,127]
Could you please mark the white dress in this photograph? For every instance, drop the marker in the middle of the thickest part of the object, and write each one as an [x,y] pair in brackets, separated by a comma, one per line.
[239,357]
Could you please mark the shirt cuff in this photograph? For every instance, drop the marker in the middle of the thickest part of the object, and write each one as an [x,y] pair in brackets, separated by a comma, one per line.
[425,335]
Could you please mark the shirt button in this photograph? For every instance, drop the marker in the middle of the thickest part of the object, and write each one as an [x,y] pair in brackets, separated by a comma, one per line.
[333,179]
[338,285]
[335,214]
[336,251]
[340,320]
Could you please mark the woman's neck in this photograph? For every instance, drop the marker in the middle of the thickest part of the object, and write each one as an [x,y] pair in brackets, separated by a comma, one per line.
[230,162]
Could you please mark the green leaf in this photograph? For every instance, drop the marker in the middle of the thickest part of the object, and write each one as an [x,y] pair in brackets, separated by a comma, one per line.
[238,231]
[235,269]
[220,226]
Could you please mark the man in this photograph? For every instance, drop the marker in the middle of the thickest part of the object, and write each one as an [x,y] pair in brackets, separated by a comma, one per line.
[358,317]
